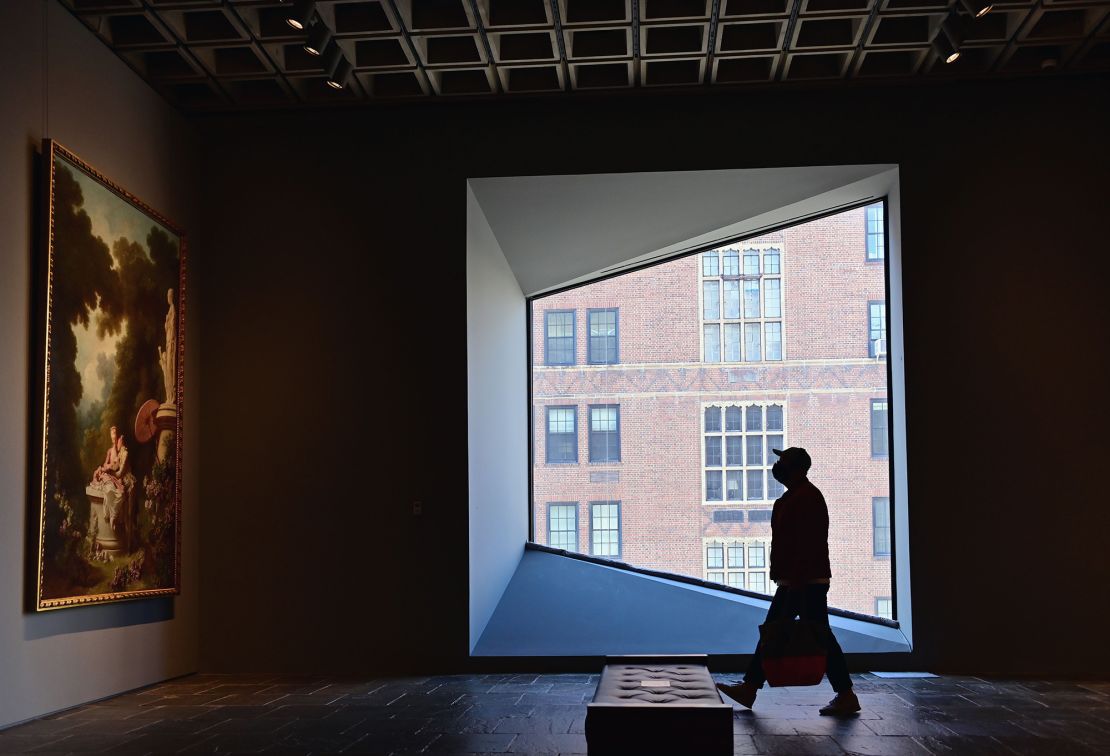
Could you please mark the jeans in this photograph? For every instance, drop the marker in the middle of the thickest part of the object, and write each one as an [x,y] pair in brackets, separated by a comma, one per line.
[810,602]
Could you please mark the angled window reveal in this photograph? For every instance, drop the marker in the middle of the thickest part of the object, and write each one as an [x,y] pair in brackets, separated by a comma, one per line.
[692,372]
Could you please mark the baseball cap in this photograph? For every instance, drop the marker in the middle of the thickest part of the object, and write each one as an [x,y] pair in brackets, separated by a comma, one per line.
[795,456]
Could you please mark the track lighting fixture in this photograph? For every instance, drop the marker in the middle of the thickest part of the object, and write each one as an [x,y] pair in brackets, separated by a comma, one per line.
[337,68]
[977,8]
[318,37]
[948,40]
[341,76]
[299,14]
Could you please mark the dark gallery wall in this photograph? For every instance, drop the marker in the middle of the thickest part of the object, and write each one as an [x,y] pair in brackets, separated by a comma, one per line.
[58,80]
[334,325]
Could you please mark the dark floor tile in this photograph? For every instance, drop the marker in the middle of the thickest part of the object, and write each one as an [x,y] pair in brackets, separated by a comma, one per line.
[535,742]
[907,726]
[881,745]
[471,743]
[979,745]
[559,725]
[787,745]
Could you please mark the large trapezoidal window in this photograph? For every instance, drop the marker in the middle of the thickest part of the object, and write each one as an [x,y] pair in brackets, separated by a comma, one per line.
[724,355]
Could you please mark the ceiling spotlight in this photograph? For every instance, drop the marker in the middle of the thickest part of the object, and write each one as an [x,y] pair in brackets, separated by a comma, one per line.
[318,37]
[337,68]
[341,75]
[977,8]
[948,40]
[300,13]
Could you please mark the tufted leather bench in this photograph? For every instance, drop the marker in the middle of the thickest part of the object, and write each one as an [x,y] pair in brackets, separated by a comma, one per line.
[646,706]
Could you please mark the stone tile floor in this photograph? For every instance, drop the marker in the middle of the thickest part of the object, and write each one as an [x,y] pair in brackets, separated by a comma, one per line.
[545,714]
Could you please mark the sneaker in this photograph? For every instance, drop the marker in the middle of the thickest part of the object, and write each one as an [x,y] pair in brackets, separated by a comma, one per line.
[744,693]
[842,705]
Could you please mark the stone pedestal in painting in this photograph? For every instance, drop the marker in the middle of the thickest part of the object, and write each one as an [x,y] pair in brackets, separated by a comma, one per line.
[166,422]
[110,539]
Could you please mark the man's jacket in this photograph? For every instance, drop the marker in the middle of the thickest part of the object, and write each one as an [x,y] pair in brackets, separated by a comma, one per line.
[800,535]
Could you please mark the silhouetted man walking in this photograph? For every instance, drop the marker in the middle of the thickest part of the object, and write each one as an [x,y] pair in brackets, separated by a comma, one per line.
[800,567]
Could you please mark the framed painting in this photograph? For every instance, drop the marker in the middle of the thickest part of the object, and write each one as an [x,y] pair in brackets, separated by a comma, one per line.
[113,392]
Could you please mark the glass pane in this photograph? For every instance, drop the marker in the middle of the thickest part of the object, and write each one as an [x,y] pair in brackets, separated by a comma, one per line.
[731,263]
[736,580]
[756,555]
[734,419]
[712,343]
[771,263]
[751,263]
[717,577]
[751,299]
[754,418]
[732,342]
[774,488]
[712,485]
[755,450]
[713,451]
[734,485]
[773,442]
[774,341]
[560,420]
[715,557]
[752,352]
[711,300]
[712,419]
[732,299]
[736,555]
[734,451]
[772,301]
[774,417]
[709,264]
[757,582]
[755,485]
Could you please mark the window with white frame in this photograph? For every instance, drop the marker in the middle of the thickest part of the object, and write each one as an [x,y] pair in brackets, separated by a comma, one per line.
[880,525]
[558,342]
[884,607]
[605,528]
[876,329]
[737,440]
[741,304]
[602,348]
[878,428]
[605,433]
[739,563]
[876,233]
[562,525]
[562,434]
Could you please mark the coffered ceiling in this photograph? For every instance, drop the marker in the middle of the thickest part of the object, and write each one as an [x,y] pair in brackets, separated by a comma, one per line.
[241,54]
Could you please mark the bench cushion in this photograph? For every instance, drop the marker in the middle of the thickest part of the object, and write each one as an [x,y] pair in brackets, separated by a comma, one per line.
[658,708]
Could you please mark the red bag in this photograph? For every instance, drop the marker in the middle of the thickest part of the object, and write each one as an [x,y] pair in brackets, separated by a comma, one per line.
[793,652]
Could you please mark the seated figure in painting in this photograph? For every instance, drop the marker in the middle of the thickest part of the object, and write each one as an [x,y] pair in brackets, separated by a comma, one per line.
[114,478]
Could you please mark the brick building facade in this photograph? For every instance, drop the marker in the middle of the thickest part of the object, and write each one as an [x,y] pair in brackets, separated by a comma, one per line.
[657,396]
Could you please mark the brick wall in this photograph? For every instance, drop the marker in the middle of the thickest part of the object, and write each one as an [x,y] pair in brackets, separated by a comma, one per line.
[826,384]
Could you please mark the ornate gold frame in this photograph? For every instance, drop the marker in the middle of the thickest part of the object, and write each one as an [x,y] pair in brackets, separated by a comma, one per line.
[52,148]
